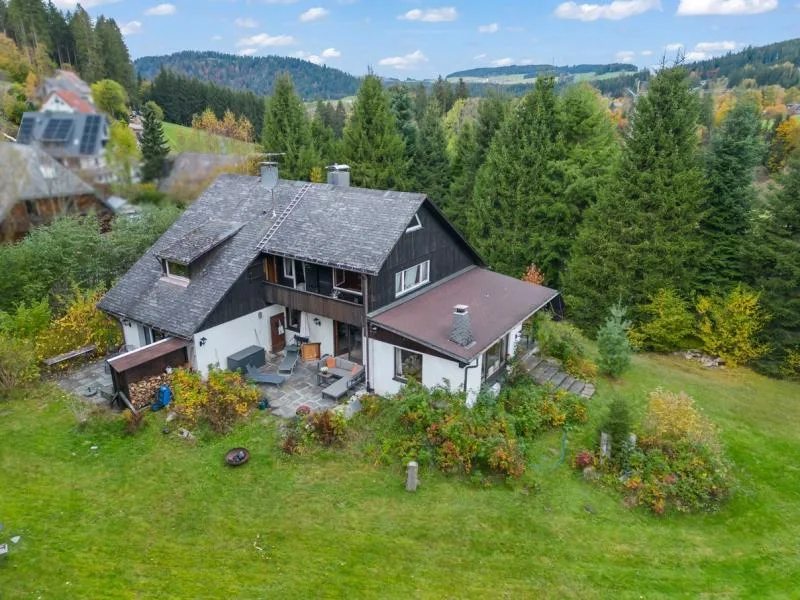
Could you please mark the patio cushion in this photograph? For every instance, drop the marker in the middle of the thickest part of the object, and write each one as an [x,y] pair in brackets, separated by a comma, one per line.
[330,362]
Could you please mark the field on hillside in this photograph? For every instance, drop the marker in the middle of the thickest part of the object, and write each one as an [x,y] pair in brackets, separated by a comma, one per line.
[520,78]
[186,139]
[153,517]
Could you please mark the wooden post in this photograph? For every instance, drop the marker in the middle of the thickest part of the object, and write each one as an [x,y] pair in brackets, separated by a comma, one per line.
[411,476]
[605,446]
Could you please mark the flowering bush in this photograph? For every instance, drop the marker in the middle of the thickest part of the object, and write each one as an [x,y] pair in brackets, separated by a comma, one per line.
[583,459]
[326,428]
[220,401]
[667,326]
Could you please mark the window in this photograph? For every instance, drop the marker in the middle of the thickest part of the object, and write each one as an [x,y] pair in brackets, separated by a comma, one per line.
[347,280]
[411,278]
[495,357]
[293,319]
[407,364]
[288,268]
[414,224]
[175,270]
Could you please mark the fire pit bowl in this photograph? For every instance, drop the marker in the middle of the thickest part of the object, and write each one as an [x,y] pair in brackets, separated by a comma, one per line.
[237,456]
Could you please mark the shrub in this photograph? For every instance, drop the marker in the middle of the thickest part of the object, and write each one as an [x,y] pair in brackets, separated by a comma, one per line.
[18,366]
[220,401]
[617,424]
[583,459]
[613,344]
[133,421]
[565,343]
[791,364]
[82,325]
[729,326]
[674,417]
[25,321]
[667,326]
[327,427]
[533,408]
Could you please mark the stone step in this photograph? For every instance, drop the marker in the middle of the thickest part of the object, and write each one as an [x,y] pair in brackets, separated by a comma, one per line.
[576,387]
[588,391]
[557,378]
[532,362]
[568,381]
[538,372]
[546,373]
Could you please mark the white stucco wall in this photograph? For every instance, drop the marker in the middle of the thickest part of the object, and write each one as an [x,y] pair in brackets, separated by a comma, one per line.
[513,339]
[435,371]
[322,333]
[228,338]
[133,335]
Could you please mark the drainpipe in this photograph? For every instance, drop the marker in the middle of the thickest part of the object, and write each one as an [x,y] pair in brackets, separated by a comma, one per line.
[466,372]
[366,350]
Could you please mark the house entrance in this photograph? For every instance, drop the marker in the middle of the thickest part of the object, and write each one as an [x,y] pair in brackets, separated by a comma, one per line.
[347,340]
[277,328]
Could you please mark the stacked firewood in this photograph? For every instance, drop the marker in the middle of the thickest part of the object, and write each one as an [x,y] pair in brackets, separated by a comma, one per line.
[143,393]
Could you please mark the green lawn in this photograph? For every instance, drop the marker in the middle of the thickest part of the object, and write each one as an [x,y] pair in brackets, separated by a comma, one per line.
[186,139]
[153,517]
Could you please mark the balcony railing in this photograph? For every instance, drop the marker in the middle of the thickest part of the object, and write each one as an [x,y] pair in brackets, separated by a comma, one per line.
[337,309]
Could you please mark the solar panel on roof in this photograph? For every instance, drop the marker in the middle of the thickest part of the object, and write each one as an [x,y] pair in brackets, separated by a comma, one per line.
[25,130]
[90,133]
[57,130]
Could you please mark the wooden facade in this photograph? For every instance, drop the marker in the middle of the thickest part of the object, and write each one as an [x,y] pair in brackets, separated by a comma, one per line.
[27,214]
[435,242]
[245,296]
[317,304]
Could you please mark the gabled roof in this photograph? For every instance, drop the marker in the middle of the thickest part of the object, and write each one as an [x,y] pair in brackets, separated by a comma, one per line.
[28,173]
[496,304]
[199,241]
[345,227]
[75,101]
[64,134]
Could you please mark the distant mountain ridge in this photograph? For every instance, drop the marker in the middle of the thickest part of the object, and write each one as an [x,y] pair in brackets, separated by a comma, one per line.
[773,64]
[253,73]
[531,71]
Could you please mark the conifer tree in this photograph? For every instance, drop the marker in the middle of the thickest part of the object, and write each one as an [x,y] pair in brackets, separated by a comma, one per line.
[87,52]
[420,101]
[516,180]
[464,170]
[492,111]
[775,268]
[462,91]
[287,130]
[154,146]
[116,61]
[735,152]
[373,147]
[325,144]
[641,236]
[442,92]
[403,111]
[431,167]
[340,118]
[612,343]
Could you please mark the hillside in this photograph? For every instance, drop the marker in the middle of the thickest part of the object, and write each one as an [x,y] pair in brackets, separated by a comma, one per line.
[531,71]
[774,64]
[253,73]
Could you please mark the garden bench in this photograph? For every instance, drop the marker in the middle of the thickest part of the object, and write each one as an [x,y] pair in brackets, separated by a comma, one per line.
[85,351]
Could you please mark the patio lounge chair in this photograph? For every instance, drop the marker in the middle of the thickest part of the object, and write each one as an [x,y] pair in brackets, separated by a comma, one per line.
[256,376]
[289,361]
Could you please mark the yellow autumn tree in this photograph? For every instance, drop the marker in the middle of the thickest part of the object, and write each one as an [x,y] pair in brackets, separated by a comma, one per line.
[784,143]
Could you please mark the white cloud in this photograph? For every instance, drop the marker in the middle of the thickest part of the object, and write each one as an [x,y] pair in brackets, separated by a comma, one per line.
[618,9]
[216,38]
[503,62]
[314,14]
[646,53]
[716,46]
[673,47]
[161,10]
[331,53]
[625,56]
[130,28]
[479,57]
[407,61]
[431,15]
[248,51]
[526,61]
[246,22]
[693,56]
[490,28]
[725,7]
[264,39]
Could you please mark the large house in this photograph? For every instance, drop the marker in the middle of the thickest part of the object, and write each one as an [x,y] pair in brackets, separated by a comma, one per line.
[35,190]
[379,277]
[66,101]
[76,140]
[65,81]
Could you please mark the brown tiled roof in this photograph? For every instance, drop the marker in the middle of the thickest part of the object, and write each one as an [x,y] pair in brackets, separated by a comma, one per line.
[496,304]
[76,102]
[145,354]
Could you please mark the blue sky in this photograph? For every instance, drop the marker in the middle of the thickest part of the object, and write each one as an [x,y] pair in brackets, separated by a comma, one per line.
[407,38]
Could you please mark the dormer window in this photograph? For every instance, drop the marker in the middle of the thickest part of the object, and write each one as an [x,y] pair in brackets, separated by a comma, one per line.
[175,271]
[414,224]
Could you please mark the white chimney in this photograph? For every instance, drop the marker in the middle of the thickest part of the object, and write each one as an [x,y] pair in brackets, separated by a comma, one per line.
[339,175]
[461,328]
[269,175]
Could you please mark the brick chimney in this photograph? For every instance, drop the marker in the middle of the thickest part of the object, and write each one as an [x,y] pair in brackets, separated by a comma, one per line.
[461,328]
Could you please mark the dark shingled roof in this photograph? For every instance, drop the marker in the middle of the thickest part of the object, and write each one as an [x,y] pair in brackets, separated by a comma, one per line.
[345,227]
[197,242]
[350,228]
[496,304]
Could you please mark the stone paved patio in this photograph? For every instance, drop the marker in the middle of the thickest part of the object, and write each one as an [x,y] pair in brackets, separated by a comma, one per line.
[87,381]
[299,388]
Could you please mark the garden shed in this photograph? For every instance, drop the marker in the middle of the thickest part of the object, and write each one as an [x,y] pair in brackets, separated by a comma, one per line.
[147,361]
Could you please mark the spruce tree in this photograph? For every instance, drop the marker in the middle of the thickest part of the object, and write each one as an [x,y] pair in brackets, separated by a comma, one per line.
[287,130]
[492,111]
[442,92]
[87,51]
[114,56]
[775,268]
[340,118]
[403,111]
[430,165]
[154,146]
[517,179]
[464,170]
[735,152]
[373,147]
[420,101]
[323,140]
[641,236]
[462,91]
[613,346]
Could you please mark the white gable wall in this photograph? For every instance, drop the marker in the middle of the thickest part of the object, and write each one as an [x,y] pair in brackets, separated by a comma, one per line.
[56,104]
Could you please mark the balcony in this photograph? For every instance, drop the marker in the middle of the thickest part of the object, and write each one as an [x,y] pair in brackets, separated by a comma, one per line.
[336,308]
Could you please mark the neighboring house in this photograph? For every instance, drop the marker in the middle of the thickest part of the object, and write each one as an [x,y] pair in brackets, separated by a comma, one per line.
[65,101]
[76,140]
[378,276]
[65,81]
[793,109]
[35,189]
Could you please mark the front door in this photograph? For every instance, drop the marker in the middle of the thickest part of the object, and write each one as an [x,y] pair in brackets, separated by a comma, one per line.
[347,340]
[277,327]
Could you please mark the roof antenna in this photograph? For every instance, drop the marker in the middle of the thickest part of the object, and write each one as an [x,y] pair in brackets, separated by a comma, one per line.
[269,176]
